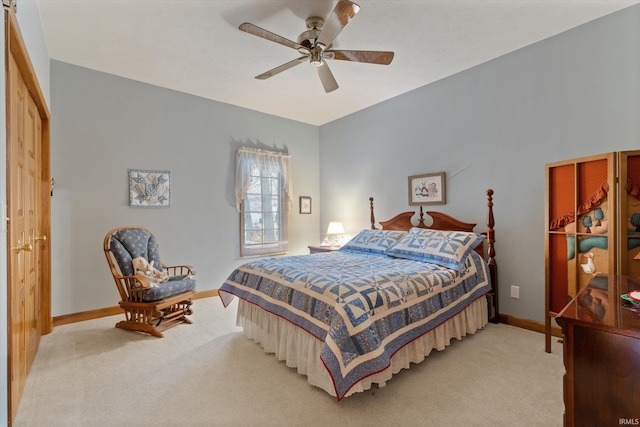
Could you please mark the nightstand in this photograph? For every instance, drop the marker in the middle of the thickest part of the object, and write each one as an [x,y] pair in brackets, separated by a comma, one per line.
[318,249]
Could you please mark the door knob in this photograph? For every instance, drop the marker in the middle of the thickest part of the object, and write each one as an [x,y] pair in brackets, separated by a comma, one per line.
[43,238]
[27,247]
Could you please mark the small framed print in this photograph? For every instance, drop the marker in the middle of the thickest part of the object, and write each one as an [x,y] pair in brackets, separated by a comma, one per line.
[427,189]
[149,188]
[305,205]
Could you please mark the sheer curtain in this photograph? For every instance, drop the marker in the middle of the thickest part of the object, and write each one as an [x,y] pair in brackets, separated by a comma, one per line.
[247,159]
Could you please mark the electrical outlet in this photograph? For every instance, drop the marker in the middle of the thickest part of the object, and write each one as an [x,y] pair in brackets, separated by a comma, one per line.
[515,292]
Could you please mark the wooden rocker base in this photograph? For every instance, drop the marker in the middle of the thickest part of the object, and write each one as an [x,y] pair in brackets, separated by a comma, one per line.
[153,318]
[150,329]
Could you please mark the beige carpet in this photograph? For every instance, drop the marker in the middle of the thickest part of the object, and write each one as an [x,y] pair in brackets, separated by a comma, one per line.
[209,374]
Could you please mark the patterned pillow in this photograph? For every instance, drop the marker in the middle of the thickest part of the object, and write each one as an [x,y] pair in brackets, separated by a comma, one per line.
[374,241]
[445,248]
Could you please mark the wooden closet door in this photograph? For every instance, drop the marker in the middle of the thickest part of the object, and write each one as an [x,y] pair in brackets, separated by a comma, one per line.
[24,263]
[28,211]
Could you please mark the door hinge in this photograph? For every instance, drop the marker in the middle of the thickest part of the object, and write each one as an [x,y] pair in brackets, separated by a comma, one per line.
[10,4]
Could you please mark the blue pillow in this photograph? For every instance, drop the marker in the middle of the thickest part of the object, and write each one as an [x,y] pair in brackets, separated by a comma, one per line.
[445,248]
[374,241]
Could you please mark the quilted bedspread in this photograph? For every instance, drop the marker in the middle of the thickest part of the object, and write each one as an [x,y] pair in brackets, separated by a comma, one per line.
[363,307]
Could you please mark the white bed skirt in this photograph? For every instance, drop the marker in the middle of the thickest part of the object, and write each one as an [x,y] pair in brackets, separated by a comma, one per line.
[301,350]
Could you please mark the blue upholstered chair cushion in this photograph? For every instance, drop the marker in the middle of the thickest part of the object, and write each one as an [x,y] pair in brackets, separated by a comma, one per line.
[445,248]
[174,286]
[130,243]
[374,241]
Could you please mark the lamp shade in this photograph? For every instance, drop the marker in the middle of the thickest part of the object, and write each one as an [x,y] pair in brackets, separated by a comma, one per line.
[335,227]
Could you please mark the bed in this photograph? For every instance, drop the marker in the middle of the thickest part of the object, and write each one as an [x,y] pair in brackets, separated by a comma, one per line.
[350,319]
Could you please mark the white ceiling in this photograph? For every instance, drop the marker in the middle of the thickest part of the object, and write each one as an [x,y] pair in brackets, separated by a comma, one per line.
[194,46]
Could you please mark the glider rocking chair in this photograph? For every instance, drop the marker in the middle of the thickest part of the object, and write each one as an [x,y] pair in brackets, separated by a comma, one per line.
[151,304]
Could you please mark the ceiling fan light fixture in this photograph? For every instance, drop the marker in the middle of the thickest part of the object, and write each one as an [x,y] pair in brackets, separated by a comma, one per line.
[316,57]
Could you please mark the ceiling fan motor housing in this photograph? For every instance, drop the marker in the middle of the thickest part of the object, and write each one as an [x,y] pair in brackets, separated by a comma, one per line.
[314,28]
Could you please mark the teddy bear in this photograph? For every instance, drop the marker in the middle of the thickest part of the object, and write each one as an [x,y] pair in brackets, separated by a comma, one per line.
[143,267]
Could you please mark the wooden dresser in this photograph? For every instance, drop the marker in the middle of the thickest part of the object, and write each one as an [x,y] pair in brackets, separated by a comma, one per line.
[602,354]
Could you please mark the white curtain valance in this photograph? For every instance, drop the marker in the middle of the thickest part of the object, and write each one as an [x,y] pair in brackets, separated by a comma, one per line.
[269,161]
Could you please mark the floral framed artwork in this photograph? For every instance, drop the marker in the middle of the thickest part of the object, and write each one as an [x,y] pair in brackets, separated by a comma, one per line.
[305,205]
[427,189]
[149,188]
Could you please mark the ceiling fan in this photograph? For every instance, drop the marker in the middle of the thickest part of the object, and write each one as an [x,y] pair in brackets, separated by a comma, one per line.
[315,45]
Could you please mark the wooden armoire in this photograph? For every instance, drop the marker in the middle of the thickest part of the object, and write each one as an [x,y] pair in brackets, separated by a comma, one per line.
[592,219]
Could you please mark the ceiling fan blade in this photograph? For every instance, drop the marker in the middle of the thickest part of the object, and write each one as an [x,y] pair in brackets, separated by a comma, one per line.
[368,56]
[282,68]
[326,77]
[261,32]
[342,14]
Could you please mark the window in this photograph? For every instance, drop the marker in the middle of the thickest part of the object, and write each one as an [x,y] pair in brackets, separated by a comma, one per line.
[263,188]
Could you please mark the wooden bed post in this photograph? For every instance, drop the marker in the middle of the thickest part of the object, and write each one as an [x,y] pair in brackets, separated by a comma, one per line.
[421,220]
[373,218]
[493,267]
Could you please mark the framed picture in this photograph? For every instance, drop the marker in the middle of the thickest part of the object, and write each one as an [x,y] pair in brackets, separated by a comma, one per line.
[427,189]
[149,189]
[305,205]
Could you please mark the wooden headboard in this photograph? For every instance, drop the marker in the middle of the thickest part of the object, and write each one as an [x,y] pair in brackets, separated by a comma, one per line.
[442,221]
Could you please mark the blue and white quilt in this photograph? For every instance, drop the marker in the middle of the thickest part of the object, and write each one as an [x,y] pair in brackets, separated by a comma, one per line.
[363,307]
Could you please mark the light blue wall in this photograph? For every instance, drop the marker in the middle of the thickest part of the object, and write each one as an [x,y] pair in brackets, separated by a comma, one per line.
[105,125]
[31,29]
[493,126]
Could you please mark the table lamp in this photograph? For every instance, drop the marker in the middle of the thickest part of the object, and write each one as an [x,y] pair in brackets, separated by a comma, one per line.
[336,229]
